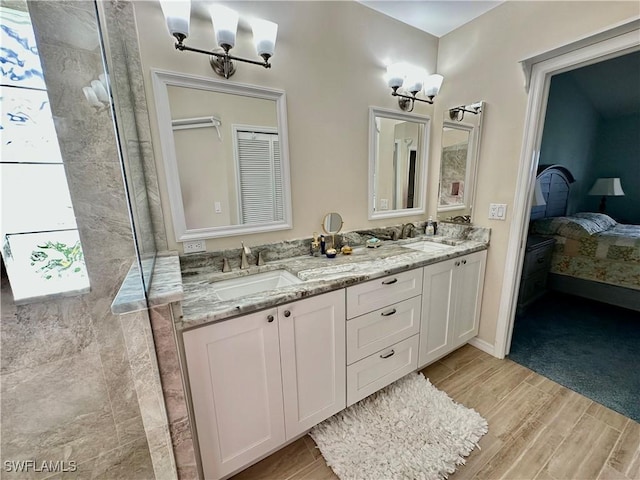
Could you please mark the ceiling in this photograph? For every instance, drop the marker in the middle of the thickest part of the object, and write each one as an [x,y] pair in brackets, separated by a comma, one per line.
[612,86]
[437,17]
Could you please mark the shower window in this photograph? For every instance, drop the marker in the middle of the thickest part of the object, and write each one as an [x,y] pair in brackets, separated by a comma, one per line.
[40,243]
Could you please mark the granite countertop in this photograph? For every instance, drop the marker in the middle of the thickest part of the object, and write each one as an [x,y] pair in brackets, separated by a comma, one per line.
[201,305]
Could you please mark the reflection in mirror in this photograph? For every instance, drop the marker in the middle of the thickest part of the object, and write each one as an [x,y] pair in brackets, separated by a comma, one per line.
[226,156]
[461,132]
[398,145]
[332,223]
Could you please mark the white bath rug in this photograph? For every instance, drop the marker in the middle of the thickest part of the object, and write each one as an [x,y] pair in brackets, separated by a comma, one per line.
[408,430]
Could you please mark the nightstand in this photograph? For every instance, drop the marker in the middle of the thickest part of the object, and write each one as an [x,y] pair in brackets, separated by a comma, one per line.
[537,261]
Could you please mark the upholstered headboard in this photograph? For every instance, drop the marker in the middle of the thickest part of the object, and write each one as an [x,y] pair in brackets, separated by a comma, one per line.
[554,183]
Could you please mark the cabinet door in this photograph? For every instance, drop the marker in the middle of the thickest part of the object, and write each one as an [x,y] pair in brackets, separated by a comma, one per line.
[469,283]
[437,311]
[236,390]
[312,348]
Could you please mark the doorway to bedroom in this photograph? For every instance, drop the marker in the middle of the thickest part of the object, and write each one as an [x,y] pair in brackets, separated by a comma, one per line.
[577,319]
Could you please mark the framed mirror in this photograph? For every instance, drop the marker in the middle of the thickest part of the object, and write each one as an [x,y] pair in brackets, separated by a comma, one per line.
[226,156]
[461,133]
[398,158]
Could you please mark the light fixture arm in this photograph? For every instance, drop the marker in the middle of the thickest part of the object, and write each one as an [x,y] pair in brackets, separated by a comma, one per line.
[407,102]
[221,62]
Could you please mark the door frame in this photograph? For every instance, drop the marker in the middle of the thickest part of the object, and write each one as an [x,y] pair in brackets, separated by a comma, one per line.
[613,42]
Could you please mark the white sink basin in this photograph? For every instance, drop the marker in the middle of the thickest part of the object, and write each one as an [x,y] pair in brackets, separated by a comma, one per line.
[429,247]
[251,284]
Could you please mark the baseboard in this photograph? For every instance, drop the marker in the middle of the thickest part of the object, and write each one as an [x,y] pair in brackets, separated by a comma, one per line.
[484,346]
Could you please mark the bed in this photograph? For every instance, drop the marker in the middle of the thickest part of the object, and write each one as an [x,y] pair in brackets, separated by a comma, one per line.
[594,256]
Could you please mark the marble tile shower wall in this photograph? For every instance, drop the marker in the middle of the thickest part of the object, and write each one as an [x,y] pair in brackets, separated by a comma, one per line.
[68,390]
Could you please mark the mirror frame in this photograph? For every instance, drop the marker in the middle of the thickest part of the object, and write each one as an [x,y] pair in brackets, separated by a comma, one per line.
[425,121]
[468,175]
[473,162]
[161,79]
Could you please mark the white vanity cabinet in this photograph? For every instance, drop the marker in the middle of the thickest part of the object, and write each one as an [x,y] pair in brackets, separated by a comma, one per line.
[382,332]
[261,379]
[451,300]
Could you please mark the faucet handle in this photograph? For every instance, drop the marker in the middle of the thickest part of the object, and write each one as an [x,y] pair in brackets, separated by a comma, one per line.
[246,250]
[225,266]
[260,259]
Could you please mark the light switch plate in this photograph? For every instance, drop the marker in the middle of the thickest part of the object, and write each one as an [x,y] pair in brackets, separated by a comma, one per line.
[497,211]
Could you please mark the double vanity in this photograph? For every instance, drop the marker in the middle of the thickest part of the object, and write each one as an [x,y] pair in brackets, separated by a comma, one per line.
[273,350]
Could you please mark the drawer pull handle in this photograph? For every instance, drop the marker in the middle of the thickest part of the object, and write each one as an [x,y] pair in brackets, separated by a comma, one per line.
[388,313]
[457,264]
[390,282]
[270,318]
[287,313]
[464,262]
[390,354]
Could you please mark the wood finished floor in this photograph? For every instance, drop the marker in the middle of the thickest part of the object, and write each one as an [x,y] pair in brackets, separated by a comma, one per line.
[538,429]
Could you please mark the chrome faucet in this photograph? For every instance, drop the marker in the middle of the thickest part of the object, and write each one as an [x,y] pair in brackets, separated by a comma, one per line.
[243,260]
[407,230]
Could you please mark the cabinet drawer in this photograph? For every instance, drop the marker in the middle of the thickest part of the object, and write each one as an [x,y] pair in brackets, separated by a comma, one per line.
[380,369]
[376,330]
[537,260]
[379,293]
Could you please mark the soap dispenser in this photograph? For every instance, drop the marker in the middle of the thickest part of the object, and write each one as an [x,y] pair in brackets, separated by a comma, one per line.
[430,230]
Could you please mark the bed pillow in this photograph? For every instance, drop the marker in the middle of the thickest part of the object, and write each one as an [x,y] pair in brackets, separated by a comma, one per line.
[601,219]
[569,227]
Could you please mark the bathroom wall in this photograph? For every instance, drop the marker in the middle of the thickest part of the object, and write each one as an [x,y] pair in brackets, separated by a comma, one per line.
[480,60]
[67,385]
[330,60]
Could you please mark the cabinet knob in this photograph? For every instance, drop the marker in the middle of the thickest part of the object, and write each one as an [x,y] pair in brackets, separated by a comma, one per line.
[387,355]
[457,264]
[390,282]
[464,262]
[287,313]
[270,318]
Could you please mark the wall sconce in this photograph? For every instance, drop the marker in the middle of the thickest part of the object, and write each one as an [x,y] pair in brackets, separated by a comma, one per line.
[97,94]
[457,113]
[406,81]
[607,187]
[225,24]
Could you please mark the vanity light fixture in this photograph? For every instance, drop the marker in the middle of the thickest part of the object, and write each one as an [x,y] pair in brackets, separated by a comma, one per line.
[406,81]
[457,113]
[97,94]
[225,24]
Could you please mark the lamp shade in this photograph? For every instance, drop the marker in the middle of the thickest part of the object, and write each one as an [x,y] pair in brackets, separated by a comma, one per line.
[415,79]
[225,24]
[264,36]
[177,14]
[396,73]
[433,84]
[609,187]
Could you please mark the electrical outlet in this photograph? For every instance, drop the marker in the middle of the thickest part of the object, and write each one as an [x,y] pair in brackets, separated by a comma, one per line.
[497,211]
[194,246]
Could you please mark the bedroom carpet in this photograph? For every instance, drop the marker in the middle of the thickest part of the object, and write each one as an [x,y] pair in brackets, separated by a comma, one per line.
[587,346]
[410,429]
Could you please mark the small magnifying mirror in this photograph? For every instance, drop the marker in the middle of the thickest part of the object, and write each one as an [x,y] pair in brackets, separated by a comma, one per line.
[331,225]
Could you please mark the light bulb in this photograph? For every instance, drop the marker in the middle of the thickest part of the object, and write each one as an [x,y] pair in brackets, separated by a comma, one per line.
[432,85]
